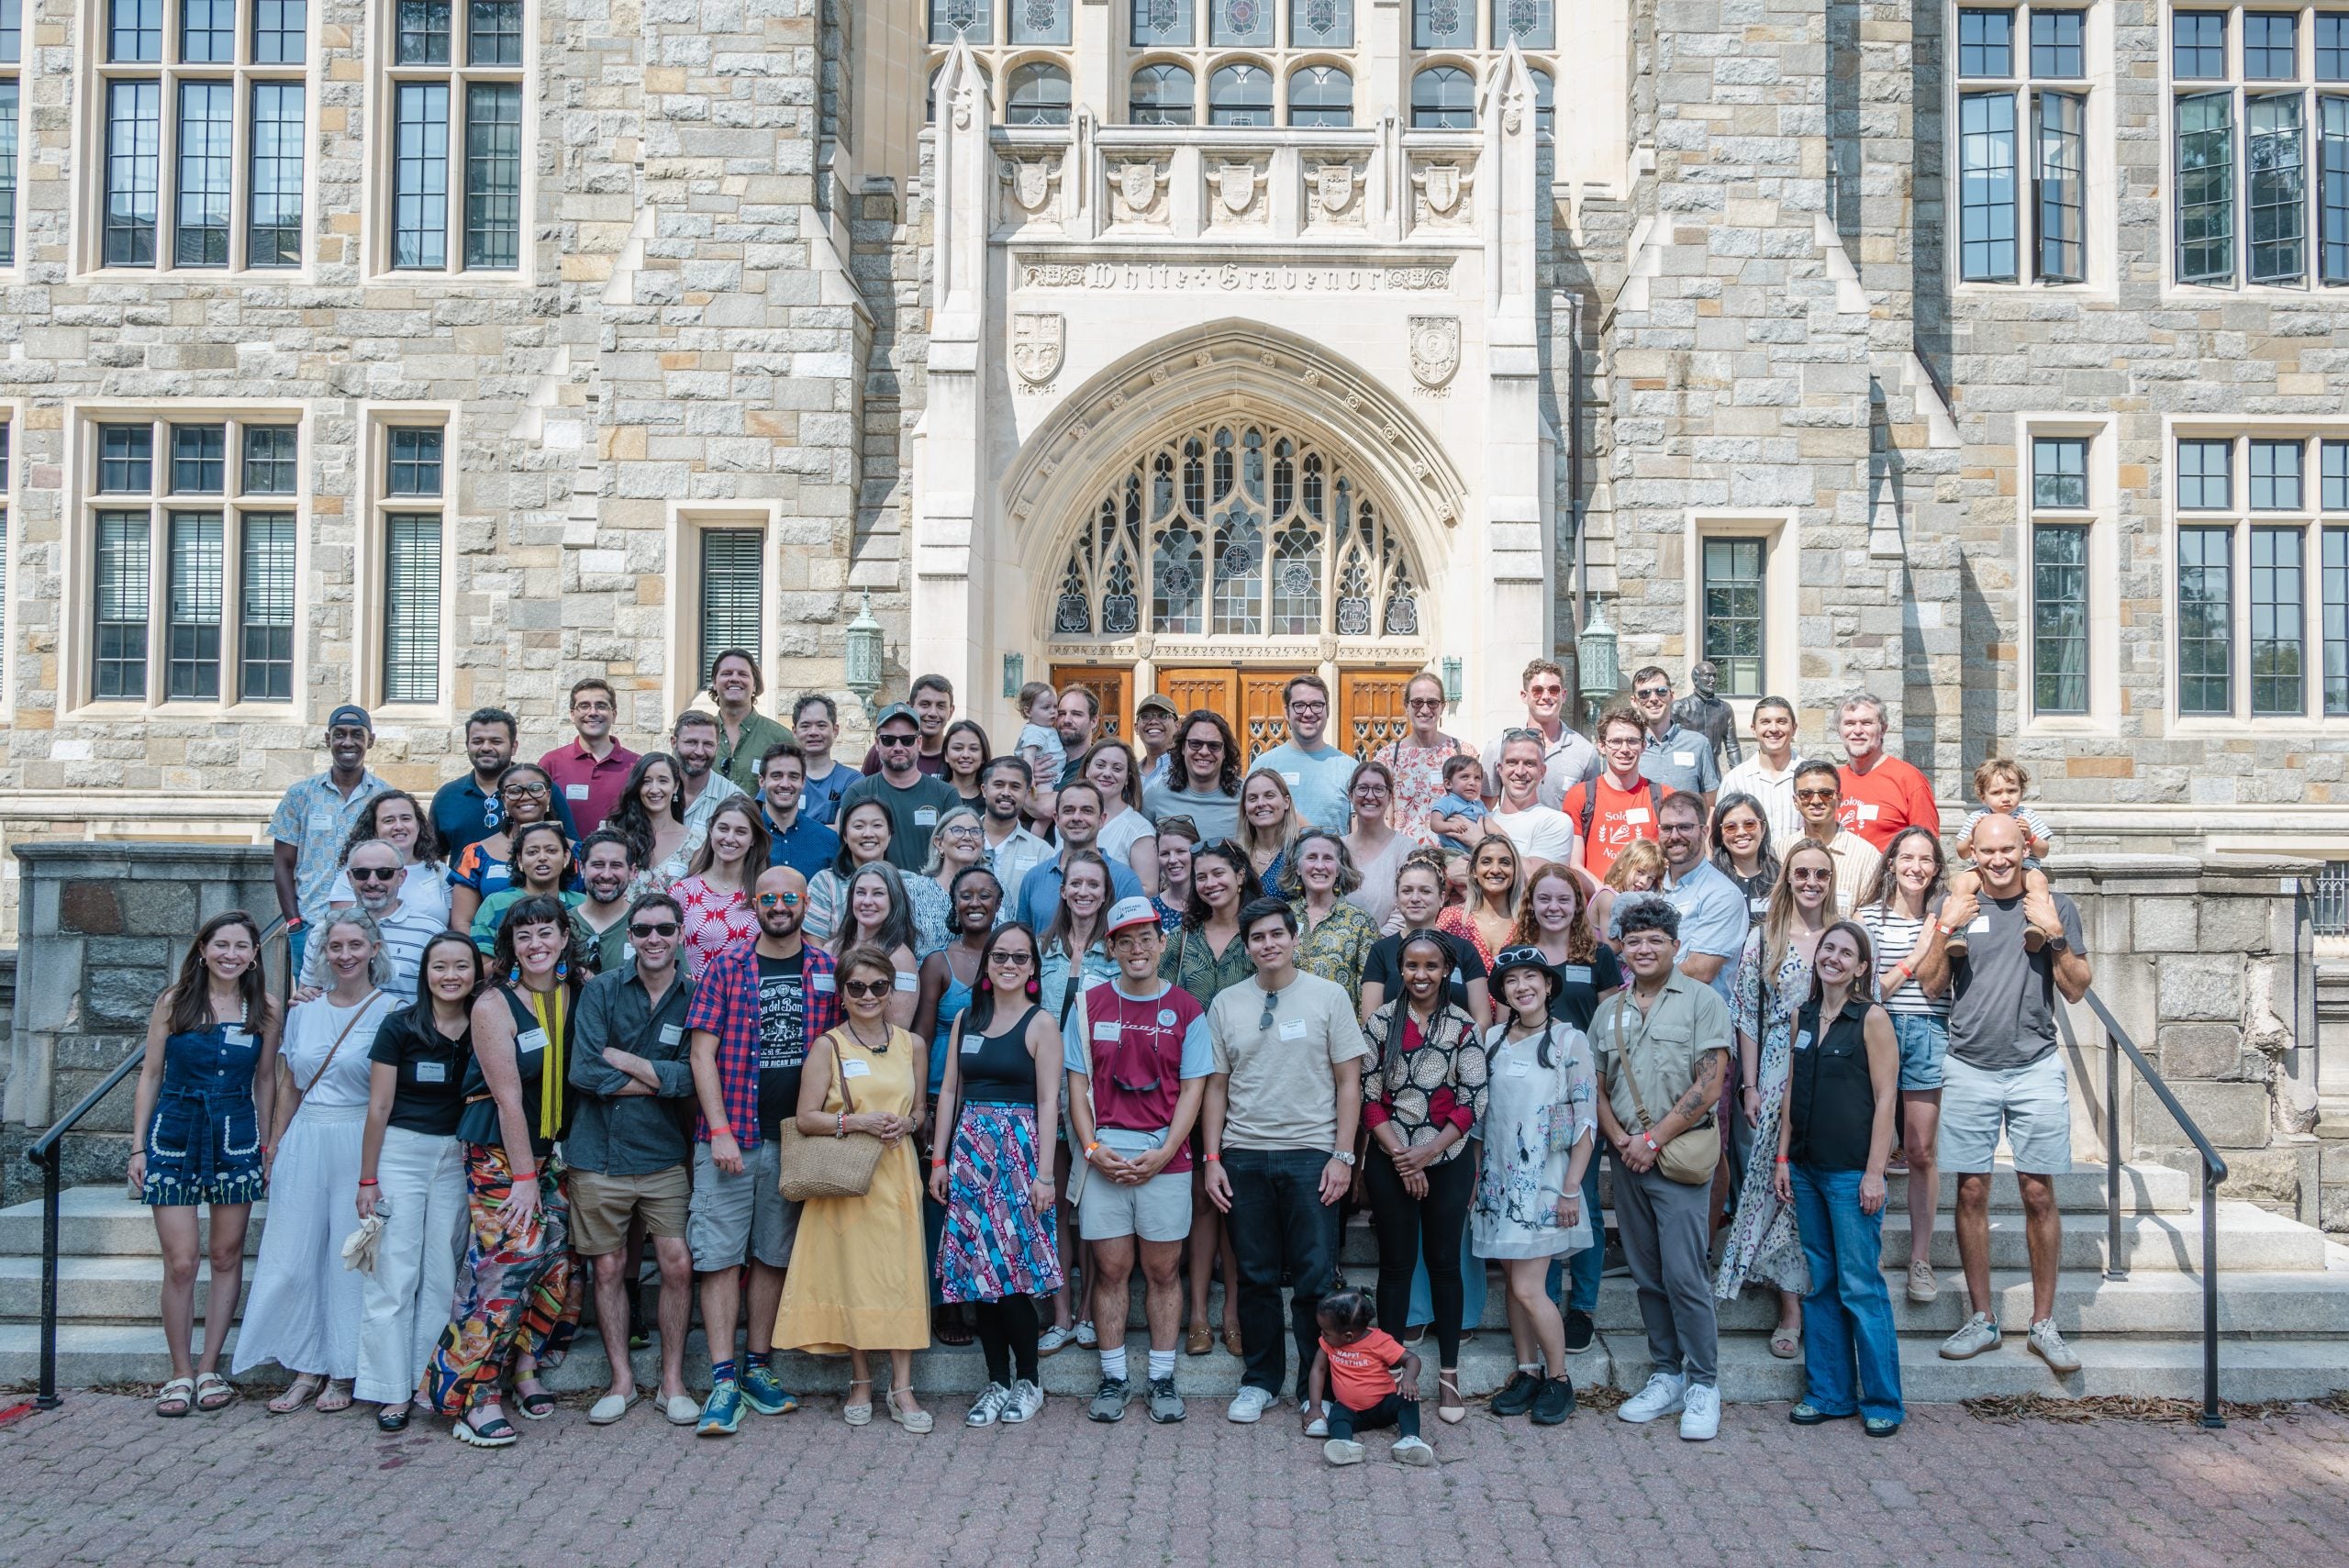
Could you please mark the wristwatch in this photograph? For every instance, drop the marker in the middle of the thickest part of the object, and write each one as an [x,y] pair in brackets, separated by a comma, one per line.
[1343,1157]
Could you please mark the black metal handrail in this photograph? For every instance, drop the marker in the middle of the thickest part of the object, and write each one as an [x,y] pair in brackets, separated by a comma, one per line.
[45,1152]
[2214,1171]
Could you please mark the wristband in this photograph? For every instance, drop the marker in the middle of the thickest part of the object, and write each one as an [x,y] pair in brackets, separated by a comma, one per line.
[1944,931]
[529,1176]
[368,1182]
[938,1164]
[1217,1158]
[1782,1160]
[1649,1139]
[1091,1147]
[721,1131]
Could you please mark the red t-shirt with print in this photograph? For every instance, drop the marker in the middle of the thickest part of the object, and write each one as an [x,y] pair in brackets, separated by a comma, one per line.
[1618,816]
[1359,1373]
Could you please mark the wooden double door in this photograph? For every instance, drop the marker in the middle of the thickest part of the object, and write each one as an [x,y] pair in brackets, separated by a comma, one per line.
[1369,703]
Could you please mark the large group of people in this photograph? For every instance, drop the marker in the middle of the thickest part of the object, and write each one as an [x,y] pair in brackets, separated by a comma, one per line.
[955,1043]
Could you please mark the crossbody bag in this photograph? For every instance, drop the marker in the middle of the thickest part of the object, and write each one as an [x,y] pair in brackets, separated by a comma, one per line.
[1688,1158]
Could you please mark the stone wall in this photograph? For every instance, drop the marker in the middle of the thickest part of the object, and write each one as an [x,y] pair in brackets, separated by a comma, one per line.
[105,927]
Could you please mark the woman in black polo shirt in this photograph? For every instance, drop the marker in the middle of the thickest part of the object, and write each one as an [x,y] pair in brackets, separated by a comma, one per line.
[412,1175]
[1833,1143]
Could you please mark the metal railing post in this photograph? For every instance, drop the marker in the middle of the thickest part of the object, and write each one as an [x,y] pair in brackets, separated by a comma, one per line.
[2115,1267]
[2210,1417]
[52,1194]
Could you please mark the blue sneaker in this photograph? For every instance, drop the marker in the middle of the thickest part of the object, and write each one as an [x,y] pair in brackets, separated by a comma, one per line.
[721,1413]
[765,1392]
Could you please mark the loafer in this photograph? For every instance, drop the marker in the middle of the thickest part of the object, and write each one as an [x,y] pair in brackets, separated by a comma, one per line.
[1198,1340]
[681,1409]
[390,1421]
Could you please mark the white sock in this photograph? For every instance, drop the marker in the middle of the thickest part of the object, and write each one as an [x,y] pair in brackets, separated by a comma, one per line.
[1162,1363]
[1531,1368]
[1113,1362]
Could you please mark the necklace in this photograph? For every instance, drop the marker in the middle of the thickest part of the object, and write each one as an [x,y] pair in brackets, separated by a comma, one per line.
[881,1049]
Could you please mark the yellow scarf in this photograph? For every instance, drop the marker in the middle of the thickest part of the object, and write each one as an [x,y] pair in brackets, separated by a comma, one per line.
[552,1070]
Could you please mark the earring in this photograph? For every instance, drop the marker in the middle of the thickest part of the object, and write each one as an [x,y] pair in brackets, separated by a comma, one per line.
[513,975]
[561,968]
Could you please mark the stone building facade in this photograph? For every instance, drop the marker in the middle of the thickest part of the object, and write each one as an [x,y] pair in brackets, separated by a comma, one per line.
[432,355]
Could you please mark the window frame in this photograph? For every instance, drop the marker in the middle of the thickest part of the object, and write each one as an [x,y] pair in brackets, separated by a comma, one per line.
[2318,521]
[688,522]
[370,580]
[2034,181]
[2096,518]
[12,128]
[1780,536]
[94,73]
[237,508]
[378,224]
[12,458]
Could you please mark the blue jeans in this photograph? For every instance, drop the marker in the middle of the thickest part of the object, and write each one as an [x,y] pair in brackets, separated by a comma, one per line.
[1587,1267]
[1847,1331]
[1280,1226]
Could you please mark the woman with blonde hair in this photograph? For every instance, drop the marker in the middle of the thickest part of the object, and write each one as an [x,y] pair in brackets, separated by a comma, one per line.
[1268,823]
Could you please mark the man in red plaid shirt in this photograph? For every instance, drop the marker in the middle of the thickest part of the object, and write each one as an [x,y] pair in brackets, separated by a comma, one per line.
[755,1010]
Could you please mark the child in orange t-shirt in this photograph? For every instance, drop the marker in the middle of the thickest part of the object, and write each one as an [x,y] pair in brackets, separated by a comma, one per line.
[1356,1362]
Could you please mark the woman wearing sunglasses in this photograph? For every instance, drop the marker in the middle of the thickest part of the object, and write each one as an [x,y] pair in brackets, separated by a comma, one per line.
[1417,761]
[1742,852]
[1000,1251]
[855,1284]
[525,794]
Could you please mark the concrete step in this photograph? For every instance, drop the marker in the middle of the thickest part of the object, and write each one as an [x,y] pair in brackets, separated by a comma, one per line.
[99,1218]
[2250,1238]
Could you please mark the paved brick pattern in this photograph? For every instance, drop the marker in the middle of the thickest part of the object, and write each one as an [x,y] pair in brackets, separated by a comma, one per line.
[103,1481]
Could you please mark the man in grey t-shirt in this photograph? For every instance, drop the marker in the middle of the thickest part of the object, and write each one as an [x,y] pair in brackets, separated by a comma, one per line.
[2004,1073]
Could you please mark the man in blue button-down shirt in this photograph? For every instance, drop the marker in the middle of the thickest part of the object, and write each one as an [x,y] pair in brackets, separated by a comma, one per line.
[1713,913]
[1076,821]
[792,839]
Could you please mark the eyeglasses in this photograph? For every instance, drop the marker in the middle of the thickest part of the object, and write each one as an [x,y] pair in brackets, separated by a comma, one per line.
[374,873]
[866,990]
[1817,794]
[1202,745]
[1309,707]
[778,900]
[538,789]
[1653,692]
[664,929]
[962,834]
[896,739]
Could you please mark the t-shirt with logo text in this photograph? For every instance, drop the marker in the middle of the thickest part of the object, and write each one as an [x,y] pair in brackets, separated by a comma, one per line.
[1136,1053]
[783,1039]
[1618,817]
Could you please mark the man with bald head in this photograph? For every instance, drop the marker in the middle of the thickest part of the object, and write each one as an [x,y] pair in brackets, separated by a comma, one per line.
[2003,1073]
[754,1011]
[377,879]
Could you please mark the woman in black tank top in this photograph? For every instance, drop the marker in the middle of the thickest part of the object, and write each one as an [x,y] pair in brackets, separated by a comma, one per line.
[997,1109]
[1833,1142]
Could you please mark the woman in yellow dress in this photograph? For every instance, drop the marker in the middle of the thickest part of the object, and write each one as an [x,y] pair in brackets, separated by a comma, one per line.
[857,1281]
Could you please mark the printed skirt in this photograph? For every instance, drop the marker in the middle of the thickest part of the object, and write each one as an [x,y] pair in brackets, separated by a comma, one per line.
[995,1244]
[518,1290]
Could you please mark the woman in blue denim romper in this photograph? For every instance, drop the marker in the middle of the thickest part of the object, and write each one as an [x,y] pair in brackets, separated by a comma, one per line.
[205,1092]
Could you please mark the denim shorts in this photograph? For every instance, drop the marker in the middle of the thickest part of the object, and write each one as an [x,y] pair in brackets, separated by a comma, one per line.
[1924,1039]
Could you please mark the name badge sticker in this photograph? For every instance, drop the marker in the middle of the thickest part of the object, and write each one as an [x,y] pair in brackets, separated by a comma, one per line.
[1636,815]
[854,1069]
[1980,923]
[235,1038]
[574,792]
[1292,780]
[321,821]
[1104,1029]
[1684,759]
[431,1072]
[926,816]
[970,1043]
[1802,1039]
[904,981]
[530,1039]
[1759,904]
[672,1033]
[1292,1028]
[1576,974]
[1866,809]
[821,984]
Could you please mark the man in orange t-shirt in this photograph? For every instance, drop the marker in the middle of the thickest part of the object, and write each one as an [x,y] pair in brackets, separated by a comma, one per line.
[1618,806]
[1882,794]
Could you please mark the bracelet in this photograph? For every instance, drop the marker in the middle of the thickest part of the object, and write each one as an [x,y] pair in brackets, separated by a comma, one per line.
[841,1130]
[368,1182]
[1217,1158]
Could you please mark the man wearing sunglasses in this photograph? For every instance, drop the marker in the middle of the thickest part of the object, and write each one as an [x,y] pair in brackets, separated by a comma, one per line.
[627,1150]
[1567,757]
[1677,759]
[377,878]
[1137,1057]
[1282,1110]
[913,800]
[1818,796]
[754,1013]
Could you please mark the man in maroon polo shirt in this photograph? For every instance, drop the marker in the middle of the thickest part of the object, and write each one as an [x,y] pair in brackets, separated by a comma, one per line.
[591,770]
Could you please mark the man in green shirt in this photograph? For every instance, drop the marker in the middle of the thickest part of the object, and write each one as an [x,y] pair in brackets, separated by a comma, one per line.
[743,732]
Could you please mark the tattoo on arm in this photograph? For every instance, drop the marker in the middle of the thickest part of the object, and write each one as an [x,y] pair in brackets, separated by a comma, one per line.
[1691,1102]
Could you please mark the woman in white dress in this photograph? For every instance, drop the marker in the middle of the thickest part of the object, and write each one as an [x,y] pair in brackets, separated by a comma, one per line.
[1539,1131]
[651,815]
[305,1309]
[1126,837]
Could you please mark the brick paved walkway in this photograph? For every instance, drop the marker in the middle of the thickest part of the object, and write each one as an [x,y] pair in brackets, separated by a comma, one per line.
[103,1481]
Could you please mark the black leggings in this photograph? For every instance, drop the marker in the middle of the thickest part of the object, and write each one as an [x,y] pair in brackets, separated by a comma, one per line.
[1008,1331]
[1409,1228]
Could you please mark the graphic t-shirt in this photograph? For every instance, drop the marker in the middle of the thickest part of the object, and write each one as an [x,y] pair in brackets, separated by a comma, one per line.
[1359,1375]
[1616,818]
[783,1039]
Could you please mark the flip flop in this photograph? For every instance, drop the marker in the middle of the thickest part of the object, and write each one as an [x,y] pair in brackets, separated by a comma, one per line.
[175,1398]
[209,1384]
[297,1394]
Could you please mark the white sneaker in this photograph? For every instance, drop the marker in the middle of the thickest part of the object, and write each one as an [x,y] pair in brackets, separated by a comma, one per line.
[1248,1406]
[988,1406]
[1026,1403]
[1661,1396]
[2048,1345]
[1700,1412]
[1413,1451]
[1980,1333]
[1341,1450]
[1315,1425]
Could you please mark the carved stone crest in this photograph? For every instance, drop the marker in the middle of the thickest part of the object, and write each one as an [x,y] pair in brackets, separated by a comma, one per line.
[1139,187]
[1441,188]
[1235,187]
[1030,180]
[1333,186]
[1038,338]
[1435,349]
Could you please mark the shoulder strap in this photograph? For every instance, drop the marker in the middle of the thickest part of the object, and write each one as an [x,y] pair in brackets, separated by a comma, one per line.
[840,1072]
[336,1048]
[1622,1052]
[1589,788]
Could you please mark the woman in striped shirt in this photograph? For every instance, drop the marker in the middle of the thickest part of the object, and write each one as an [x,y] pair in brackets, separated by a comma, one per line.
[1913,983]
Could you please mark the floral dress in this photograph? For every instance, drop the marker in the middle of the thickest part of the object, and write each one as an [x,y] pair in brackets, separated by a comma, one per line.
[1533,1117]
[1763,1245]
[1336,949]
[1418,781]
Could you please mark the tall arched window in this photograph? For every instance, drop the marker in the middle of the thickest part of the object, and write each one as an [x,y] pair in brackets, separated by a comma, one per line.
[1038,95]
[930,99]
[1545,96]
[1162,94]
[1241,93]
[1320,95]
[1443,98]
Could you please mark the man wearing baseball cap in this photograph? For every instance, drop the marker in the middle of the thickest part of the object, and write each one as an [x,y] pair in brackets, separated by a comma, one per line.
[913,800]
[1155,721]
[1138,1055]
[315,818]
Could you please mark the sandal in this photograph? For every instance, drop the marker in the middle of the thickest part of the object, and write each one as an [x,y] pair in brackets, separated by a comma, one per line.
[537,1403]
[175,1398]
[1785,1344]
[213,1391]
[297,1394]
[334,1398]
[496,1432]
[859,1414]
[916,1421]
[1449,1411]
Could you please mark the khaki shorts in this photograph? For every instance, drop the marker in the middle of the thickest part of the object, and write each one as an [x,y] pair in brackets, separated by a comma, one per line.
[602,1207]
[1157,1210]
